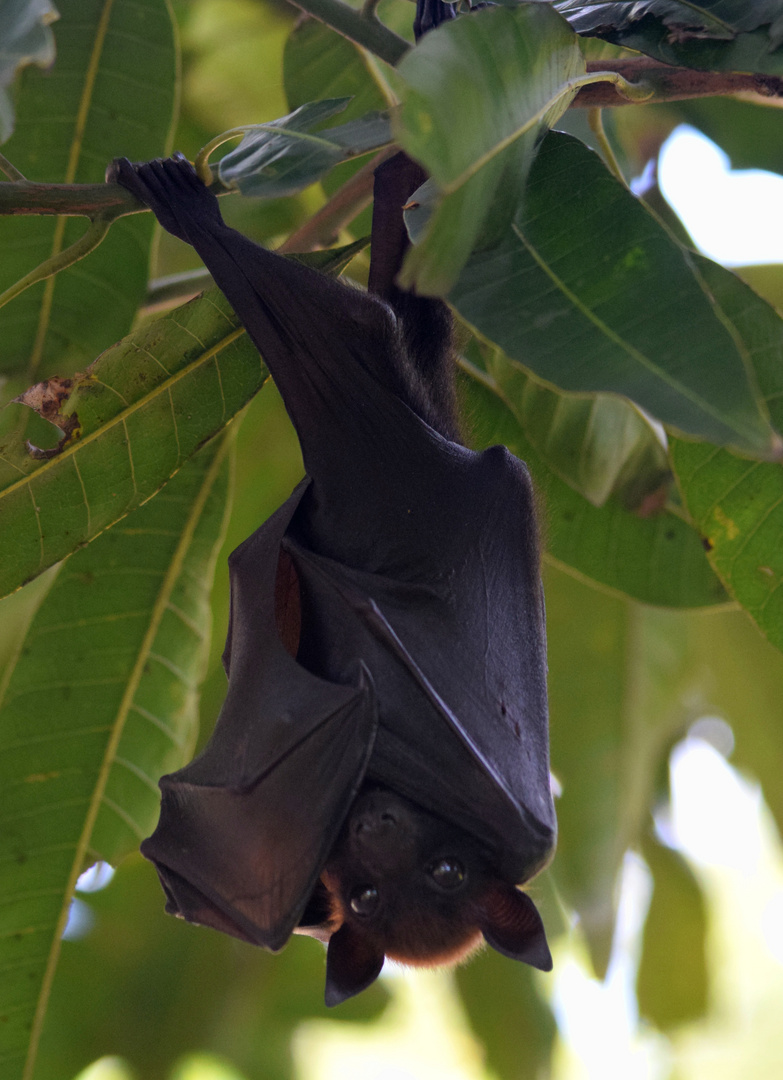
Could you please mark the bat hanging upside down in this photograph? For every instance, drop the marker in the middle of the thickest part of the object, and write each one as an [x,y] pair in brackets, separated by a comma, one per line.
[379,773]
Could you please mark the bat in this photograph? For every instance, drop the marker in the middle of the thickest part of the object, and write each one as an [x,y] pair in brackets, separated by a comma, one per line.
[378,776]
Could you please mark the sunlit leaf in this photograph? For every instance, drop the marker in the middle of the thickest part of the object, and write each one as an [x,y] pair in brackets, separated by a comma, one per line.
[621,683]
[111,93]
[742,682]
[318,62]
[746,131]
[101,701]
[738,504]
[135,416]
[599,444]
[672,984]
[501,997]
[152,989]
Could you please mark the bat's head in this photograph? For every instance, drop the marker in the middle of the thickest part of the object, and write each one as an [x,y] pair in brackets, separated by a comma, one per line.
[403,883]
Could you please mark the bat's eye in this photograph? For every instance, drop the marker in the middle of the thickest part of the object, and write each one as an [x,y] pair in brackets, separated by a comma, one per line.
[364,901]
[448,874]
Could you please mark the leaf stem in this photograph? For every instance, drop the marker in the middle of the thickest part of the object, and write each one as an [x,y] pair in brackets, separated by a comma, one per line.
[596,121]
[201,162]
[635,92]
[86,243]
[10,170]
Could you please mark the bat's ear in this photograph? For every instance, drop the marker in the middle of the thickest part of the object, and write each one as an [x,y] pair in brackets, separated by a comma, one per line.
[511,924]
[353,963]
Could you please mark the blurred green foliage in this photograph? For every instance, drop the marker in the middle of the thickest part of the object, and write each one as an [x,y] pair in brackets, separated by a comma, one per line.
[642,638]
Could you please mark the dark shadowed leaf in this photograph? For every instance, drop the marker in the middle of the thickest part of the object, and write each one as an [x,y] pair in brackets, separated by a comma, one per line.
[715,35]
[705,18]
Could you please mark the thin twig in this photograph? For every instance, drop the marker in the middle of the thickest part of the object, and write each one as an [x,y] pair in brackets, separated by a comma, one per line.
[367,32]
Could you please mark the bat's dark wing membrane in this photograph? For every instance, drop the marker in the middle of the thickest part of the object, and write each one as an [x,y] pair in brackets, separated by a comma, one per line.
[458,647]
[245,828]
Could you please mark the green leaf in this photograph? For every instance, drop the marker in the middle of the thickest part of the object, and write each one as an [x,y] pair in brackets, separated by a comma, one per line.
[747,132]
[587,674]
[672,984]
[607,300]
[621,682]
[319,62]
[714,35]
[183,377]
[134,417]
[136,986]
[26,39]
[738,504]
[478,93]
[682,18]
[284,156]
[659,559]
[111,93]
[501,998]
[101,701]
[742,681]
[599,444]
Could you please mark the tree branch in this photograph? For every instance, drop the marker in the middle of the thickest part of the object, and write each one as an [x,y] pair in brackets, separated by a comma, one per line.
[667,83]
[672,83]
[364,29]
[70,200]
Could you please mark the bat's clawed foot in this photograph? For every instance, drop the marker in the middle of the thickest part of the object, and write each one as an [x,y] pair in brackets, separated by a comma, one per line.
[171,188]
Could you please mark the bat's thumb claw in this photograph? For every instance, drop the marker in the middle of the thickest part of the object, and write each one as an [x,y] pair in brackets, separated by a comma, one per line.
[116,169]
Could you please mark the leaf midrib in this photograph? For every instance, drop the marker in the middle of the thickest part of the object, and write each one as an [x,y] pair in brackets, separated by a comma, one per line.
[158,611]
